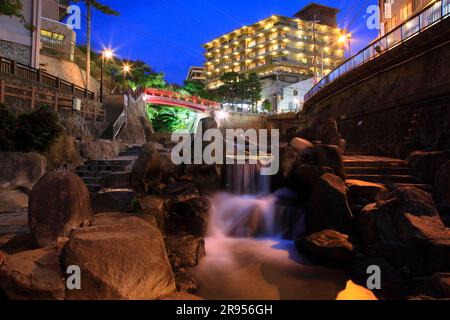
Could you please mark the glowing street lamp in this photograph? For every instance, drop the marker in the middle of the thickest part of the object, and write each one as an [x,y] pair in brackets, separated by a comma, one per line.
[106,54]
[126,68]
[340,40]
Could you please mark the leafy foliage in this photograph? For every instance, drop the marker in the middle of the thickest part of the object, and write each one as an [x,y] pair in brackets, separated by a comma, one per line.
[267,106]
[13,8]
[239,88]
[36,131]
[169,119]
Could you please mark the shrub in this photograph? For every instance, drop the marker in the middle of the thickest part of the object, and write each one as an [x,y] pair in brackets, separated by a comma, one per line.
[169,119]
[7,129]
[36,131]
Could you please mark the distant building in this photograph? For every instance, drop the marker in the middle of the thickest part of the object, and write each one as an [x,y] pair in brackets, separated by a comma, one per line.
[281,50]
[196,74]
[396,12]
[293,96]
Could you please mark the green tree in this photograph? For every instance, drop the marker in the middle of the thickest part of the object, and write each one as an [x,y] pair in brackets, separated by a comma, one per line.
[195,88]
[169,119]
[253,89]
[232,87]
[267,105]
[90,6]
[13,8]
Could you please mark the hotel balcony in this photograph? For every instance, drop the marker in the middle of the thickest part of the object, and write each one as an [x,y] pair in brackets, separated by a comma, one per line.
[57,39]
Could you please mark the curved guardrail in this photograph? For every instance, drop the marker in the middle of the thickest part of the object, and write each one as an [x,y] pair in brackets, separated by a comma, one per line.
[429,16]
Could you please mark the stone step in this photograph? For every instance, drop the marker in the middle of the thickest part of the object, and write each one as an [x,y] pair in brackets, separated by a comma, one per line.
[92,181]
[92,174]
[103,168]
[129,154]
[93,188]
[108,162]
[383,179]
[375,163]
[379,170]
[425,187]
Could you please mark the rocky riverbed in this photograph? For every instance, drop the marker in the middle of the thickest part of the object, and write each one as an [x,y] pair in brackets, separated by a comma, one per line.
[147,235]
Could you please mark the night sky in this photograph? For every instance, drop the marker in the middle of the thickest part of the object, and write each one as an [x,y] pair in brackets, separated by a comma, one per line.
[168,34]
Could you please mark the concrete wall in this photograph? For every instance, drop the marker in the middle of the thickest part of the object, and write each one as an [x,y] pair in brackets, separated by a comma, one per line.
[394,110]
[68,71]
[244,121]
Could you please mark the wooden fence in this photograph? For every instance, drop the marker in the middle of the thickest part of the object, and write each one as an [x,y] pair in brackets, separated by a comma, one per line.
[40,88]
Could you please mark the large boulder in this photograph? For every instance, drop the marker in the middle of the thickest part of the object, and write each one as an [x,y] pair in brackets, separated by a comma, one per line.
[64,154]
[99,149]
[13,200]
[206,177]
[331,156]
[153,205]
[59,202]
[407,231]
[190,217]
[329,247]
[328,208]
[21,169]
[169,170]
[365,191]
[180,296]
[125,260]
[425,164]
[114,200]
[306,176]
[206,124]
[34,275]
[289,159]
[120,218]
[442,183]
[437,287]
[146,173]
[304,148]
[17,242]
[329,134]
[181,191]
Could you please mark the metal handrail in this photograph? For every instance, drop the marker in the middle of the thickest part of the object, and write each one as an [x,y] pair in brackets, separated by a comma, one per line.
[430,15]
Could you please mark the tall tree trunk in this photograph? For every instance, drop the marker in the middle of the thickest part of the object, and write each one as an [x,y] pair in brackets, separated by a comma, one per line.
[88,45]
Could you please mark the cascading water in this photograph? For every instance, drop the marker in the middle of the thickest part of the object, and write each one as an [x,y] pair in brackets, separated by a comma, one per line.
[247,258]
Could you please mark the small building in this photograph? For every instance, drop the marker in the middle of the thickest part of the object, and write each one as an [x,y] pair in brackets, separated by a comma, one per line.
[196,74]
[293,96]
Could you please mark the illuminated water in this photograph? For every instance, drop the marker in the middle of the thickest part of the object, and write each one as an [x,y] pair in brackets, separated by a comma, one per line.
[247,258]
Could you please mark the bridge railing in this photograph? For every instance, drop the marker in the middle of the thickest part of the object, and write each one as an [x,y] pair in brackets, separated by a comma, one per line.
[429,16]
[179,96]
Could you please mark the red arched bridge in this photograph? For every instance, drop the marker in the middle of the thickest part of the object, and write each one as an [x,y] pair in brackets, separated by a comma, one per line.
[176,99]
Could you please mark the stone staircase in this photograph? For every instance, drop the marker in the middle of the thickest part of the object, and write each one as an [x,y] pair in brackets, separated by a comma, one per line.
[389,172]
[92,171]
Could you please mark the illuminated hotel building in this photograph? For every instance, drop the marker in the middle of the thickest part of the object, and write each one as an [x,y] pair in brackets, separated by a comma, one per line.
[278,47]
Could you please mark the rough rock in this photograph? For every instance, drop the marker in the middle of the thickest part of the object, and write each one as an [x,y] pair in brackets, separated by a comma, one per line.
[407,230]
[114,200]
[442,183]
[395,284]
[153,205]
[190,217]
[328,208]
[437,287]
[306,176]
[99,149]
[21,169]
[329,134]
[3,256]
[146,173]
[185,250]
[117,180]
[304,148]
[425,164]
[206,124]
[182,191]
[365,191]
[331,156]
[32,275]
[329,247]
[108,218]
[13,200]
[15,243]
[180,296]
[289,159]
[206,177]
[59,203]
[64,154]
[126,260]
[169,170]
